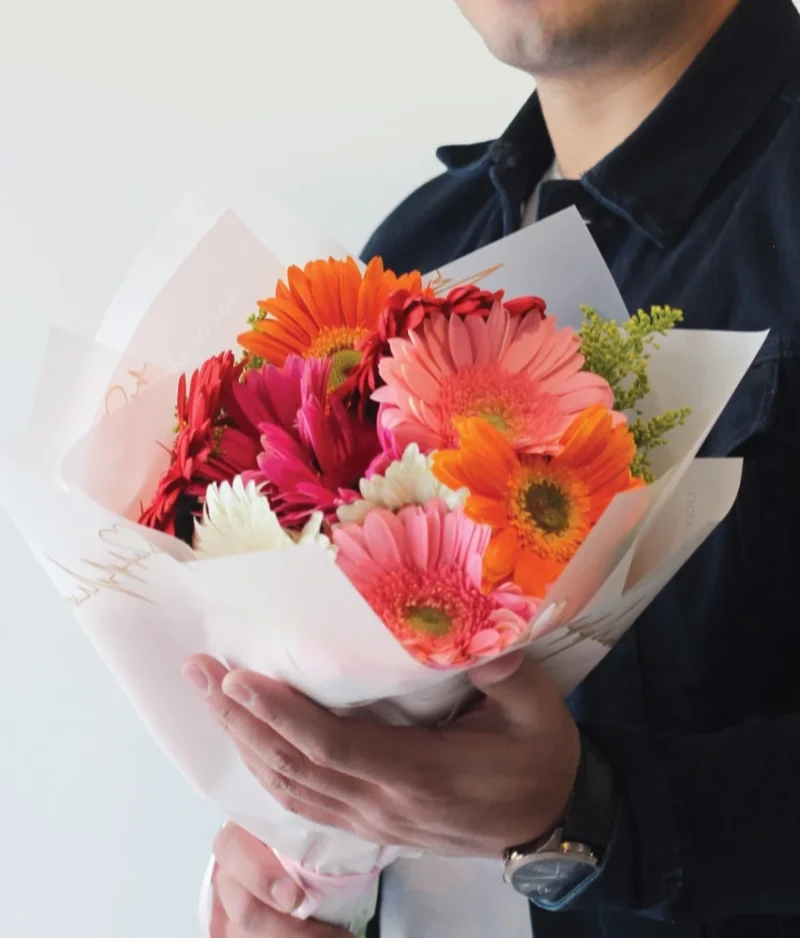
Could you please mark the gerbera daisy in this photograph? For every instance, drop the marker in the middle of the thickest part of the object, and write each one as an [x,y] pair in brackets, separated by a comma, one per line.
[521,374]
[406,481]
[238,519]
[469,300]
[420,570]
[540,508]
[325,311]
[314,451]
[405,311]
[210,445]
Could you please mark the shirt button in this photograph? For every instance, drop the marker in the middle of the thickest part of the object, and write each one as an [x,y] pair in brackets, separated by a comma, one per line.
[504,155]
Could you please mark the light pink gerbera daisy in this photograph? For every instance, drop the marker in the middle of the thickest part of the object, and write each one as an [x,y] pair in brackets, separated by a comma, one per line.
[521,374]
[421,570]
[315,451]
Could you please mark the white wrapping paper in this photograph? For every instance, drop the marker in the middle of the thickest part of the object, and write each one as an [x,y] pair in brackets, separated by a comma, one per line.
[91,457]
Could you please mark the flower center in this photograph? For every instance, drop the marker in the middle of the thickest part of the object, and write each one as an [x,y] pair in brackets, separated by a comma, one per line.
[433,611]
[330,341]
[430,620]
[512,403]
[344,362]
[548,506]
[340,345]
[498,421]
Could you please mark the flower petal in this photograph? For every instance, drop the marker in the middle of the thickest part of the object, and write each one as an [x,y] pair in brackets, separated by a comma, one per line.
[460,345]
[501,555]
[384,539]
[534,574]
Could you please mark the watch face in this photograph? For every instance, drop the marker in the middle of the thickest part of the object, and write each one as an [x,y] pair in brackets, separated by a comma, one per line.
[550,877]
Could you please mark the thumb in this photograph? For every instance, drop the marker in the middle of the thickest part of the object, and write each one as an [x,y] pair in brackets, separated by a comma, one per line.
[514,682]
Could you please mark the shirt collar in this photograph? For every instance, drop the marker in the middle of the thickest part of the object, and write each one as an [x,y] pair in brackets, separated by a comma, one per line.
[691,133]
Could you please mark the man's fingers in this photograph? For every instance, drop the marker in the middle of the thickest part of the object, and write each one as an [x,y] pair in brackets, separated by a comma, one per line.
[206,675]
[203,672]
[501,669]
[249,918]
[219,920]
[244,911]
[278,754]
[323,750]
[514,684]
[253,865]
[298,799]
[356,748]
[293,930]
[316,808]
[242,908]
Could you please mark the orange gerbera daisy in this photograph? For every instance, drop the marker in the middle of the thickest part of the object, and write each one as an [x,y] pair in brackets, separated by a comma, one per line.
[541,508]
[325,311]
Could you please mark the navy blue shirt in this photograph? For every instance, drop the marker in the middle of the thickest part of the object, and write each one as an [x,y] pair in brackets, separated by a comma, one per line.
[698,709]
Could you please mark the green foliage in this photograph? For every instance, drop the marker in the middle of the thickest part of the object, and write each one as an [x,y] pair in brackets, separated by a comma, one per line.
[251,362]
[650,434]
[621,354]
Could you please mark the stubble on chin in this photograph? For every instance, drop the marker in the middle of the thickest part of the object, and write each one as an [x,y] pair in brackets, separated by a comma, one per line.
[546,37]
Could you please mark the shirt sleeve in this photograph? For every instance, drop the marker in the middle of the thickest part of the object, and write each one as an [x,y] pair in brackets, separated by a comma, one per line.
[707,827]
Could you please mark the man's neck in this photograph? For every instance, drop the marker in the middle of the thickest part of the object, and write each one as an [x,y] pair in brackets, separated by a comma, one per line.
[592,111]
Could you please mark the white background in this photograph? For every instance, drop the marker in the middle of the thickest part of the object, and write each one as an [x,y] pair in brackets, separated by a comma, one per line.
[106,112]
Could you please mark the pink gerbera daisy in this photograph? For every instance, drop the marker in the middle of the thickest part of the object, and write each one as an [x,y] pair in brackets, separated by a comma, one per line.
[421,571]
[521,374]
[315,451]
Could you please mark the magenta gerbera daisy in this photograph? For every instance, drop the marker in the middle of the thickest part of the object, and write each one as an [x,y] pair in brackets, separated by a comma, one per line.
[315,451]
[421,571]
[521,374]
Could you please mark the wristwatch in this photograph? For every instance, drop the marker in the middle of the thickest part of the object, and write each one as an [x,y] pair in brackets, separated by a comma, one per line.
[550,868]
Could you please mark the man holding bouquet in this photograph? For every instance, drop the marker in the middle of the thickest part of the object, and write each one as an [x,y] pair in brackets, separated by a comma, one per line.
[664,800]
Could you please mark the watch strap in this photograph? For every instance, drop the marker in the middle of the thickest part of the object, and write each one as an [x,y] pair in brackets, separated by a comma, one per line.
[592,807]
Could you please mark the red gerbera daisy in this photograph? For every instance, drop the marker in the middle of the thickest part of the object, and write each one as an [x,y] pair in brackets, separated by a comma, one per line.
[403,312]
[470,300]
[214,442]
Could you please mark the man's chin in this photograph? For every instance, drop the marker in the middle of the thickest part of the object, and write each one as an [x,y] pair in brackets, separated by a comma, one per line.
[535,51]
[549,36]
[532,35]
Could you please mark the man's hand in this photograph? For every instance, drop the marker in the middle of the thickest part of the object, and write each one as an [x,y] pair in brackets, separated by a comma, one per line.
[498,777]
[253,897]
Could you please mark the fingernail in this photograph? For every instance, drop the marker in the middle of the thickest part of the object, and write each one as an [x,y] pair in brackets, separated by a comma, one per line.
[239,693]
[286,895]
[198,678]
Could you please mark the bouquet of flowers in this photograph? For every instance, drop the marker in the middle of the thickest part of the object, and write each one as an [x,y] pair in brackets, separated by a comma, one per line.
[462,464]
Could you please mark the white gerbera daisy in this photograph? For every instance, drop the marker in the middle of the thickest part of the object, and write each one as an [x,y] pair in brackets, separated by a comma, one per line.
[237,519]
[408,481]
